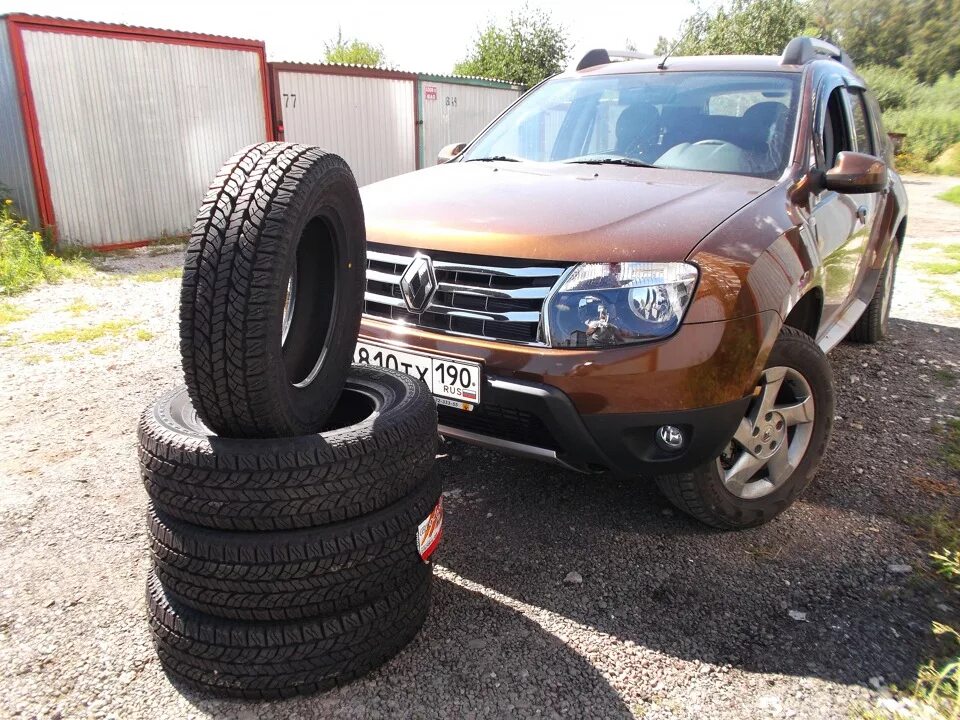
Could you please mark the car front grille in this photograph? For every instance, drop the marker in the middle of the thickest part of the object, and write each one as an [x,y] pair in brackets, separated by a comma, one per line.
[501,422]
[490,298]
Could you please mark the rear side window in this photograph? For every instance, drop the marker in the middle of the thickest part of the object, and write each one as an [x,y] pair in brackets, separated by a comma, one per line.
[861,125]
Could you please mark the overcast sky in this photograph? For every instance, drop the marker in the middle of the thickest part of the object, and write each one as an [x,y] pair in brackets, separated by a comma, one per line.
[419,35]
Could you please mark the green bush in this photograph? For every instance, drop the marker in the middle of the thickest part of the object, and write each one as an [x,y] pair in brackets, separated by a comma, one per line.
[949,164]
[929,130]
[23,262]
[895,88]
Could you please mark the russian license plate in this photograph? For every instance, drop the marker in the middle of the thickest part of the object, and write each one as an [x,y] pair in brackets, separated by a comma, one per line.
[454,383]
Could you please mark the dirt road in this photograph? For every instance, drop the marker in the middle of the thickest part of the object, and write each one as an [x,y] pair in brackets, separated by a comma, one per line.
[807,617]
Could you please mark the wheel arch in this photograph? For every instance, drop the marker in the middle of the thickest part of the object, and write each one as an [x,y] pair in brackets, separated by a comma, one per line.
[806,313]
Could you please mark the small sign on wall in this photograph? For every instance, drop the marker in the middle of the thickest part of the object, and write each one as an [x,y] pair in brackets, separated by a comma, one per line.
[429,92]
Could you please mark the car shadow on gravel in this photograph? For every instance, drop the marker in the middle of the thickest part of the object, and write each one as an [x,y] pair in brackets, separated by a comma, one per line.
[658,579]
[810,594]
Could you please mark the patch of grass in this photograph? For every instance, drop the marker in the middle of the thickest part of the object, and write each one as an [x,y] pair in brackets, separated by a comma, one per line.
[107,349]
[79,307]
[142,334]
[10,340]
[945,376]
[951,195]
[36,359]
[23,261]
[952,299]
[110,328]
[158,275]
[10,312]
[945,267]
[935,695]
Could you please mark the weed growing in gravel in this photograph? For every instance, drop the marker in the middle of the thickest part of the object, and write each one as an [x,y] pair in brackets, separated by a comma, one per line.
[158,275]
[23,262]
[952,300]
[79,307]
[110,328]
[107,349]
[9,312]
[940,267]
[144,334]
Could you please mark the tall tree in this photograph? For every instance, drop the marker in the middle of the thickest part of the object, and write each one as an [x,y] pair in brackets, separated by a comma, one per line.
[353,52]
[529,47]
[740,27]
[918,35]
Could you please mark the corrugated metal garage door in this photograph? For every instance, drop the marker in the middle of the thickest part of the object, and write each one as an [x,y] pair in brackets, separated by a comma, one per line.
[366,116]
[16,175]
[455,112]
[132,131]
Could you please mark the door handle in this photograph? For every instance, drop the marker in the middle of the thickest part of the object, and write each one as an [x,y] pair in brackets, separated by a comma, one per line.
[862,213]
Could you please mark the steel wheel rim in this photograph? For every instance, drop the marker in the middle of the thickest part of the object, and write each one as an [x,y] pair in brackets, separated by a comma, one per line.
[772,438]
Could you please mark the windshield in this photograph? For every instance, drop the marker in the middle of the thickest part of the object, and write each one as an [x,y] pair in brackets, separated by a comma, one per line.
[719,122]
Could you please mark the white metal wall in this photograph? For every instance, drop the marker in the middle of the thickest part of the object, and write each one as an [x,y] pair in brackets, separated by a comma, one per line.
[133,131]
[16,173]
[453,113]
[368,121]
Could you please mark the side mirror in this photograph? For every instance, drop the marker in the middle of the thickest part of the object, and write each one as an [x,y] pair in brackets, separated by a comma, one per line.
[450,152]
[856,173]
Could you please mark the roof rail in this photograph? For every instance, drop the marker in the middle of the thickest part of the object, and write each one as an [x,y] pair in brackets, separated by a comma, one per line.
[802,50]
[600,56]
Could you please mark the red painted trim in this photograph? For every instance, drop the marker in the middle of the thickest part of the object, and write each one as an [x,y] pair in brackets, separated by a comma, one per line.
[416,125]
[130,245]
[80,27]
[356,71]
[265,91]
[41,183]
[276,102]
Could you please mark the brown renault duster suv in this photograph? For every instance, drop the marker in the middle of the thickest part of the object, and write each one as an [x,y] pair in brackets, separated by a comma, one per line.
[639,266]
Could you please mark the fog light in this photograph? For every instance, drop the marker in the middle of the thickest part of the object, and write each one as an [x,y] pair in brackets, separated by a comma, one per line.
[670,437]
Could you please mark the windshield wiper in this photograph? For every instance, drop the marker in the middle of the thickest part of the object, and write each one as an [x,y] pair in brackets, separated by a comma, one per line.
[492,158]
[612,161]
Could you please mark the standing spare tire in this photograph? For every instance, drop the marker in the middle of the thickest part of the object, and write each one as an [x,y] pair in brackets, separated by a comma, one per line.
[272,291]
[379,444]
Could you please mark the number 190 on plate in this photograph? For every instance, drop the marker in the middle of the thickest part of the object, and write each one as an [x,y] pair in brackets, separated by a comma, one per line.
[455,383]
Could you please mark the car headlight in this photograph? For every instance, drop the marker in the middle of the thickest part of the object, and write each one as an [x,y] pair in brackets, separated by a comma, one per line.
[607,304]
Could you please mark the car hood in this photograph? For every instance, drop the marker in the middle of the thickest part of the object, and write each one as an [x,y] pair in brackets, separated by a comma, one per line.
[554,211]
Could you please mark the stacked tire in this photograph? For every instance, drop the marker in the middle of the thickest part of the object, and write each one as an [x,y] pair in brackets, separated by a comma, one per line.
[293,503]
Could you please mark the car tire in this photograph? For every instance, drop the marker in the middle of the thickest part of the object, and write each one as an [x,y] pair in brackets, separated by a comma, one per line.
[264,660]
[272,291]
[740,489]
[381,442]
[874,323]
[291,574]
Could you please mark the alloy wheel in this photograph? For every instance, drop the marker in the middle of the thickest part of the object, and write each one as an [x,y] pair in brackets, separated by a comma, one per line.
[772,438]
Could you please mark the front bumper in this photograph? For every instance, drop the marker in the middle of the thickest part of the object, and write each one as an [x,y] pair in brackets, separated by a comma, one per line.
[599,409]
[539,421]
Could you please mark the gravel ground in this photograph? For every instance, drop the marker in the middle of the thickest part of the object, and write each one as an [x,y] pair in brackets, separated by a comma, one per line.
[807,617]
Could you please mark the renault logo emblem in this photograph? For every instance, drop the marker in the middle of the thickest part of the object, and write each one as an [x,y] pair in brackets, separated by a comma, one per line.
[418,283]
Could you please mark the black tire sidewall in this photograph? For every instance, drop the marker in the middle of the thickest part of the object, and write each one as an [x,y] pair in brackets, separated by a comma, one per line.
[798,351]
[328,192]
